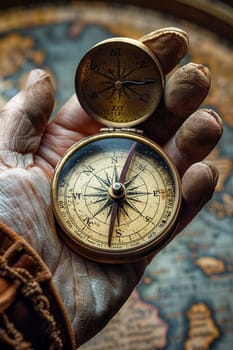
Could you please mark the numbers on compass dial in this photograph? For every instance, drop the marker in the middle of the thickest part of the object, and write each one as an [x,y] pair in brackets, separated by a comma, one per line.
[90,184]
[119,82]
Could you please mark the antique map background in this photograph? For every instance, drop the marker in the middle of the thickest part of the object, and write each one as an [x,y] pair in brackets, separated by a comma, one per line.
[185,298]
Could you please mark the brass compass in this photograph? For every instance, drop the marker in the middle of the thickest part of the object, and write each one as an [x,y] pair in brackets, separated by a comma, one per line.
[116,195]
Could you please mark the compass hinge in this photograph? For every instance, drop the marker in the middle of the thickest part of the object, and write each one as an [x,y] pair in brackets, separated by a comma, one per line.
[133,130]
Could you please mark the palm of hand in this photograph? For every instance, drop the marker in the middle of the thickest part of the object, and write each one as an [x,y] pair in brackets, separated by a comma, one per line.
[29,151]
[26,207]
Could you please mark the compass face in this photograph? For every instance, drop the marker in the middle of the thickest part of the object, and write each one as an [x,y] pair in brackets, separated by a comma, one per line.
[112,205]
[119,82]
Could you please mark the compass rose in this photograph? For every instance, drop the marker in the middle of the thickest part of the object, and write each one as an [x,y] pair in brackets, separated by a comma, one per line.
[116,194]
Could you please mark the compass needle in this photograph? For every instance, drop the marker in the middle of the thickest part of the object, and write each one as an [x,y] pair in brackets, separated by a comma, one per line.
[112,222]
[115,175]
[117,188]
[127,83]
[127,162]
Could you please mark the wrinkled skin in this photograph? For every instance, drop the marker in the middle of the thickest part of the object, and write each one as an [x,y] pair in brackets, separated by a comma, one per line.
[30,148]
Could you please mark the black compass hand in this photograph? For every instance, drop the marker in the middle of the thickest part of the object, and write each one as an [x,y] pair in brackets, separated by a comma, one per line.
[137,82]
[118,191]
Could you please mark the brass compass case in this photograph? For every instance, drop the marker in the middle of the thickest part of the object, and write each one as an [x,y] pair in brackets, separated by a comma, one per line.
[119,82]
[117,195]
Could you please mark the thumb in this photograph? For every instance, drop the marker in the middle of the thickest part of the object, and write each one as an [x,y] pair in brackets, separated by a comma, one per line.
[24,118]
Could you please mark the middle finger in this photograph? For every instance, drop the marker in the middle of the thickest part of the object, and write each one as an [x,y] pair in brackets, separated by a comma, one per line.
[195,139]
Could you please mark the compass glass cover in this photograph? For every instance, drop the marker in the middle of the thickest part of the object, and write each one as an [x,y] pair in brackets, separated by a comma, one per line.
[83,204]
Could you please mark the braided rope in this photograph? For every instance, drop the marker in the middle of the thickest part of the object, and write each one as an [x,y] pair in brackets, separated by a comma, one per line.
[31,290]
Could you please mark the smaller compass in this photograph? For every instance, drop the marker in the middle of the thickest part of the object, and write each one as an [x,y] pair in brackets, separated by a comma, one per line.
[119,82]
[117,195]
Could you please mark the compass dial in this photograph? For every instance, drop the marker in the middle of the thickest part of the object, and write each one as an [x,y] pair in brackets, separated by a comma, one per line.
[116,198]
[119,82]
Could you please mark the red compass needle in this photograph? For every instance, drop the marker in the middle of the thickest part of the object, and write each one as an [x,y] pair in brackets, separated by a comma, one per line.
[119,192]
[127,163]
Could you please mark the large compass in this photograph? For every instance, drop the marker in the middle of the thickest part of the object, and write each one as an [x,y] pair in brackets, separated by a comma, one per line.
[116,194]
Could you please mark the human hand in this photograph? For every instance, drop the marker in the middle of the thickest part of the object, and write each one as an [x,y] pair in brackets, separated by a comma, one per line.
[30,148]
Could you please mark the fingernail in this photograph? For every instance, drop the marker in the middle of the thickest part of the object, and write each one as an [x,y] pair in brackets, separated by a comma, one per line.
[203,69]
[34,76]
[209,188]
[168,44]
[200,193]
[200,74]
[214,173]
[215,115]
